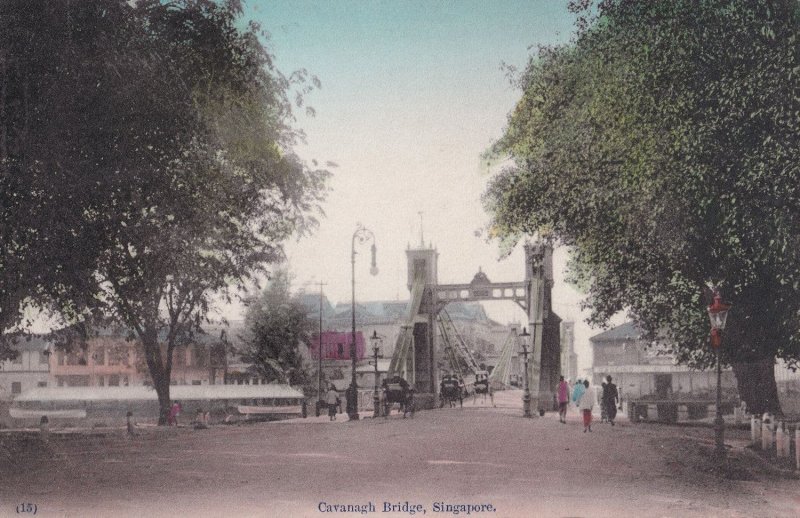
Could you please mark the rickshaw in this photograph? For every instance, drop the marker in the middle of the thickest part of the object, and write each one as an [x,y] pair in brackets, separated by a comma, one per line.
[450,391]
[397,390]
[481,386]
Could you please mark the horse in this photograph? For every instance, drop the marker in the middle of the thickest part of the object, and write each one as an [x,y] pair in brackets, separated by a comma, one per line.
[394,391]
[450,391]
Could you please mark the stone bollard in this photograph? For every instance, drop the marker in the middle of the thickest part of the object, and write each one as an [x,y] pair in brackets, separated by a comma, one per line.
[755,432]
[44,429]
[787,441]
[683,413]
[779,440]
[797,446]
[766,437]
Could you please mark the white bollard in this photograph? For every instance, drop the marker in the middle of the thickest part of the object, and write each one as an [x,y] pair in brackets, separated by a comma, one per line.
[787,442]
[779,440]
[766,437]
[755,432]
[797,446]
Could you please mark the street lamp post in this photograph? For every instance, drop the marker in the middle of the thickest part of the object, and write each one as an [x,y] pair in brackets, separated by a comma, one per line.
[362,234]
[319,354]
[376,398]
[718,314]
[526,394]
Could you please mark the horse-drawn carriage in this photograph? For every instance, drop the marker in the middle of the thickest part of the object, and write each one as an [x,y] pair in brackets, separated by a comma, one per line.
[451,389]
[397,390]
[482,386]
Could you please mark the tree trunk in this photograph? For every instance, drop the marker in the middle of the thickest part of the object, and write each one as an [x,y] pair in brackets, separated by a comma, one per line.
[756,383]
[162,389]
[158,373]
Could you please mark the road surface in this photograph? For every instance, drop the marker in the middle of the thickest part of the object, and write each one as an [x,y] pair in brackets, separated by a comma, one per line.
[475,456]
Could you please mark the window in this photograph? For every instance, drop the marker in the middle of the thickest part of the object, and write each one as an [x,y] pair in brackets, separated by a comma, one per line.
[118,355]
[197,382]
[99,356]
[341,350]
[179,358]
[113,380]
[101,381]
[16,387]
[41,384]
[17,360]
[200,357]
[44,357]
[76,358]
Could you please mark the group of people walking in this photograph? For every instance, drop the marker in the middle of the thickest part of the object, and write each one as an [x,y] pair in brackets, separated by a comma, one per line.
[584,397]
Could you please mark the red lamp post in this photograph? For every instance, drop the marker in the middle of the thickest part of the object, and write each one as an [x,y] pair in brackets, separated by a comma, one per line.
[718,314]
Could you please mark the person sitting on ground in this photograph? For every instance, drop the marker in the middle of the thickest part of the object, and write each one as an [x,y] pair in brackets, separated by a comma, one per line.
[199,420]
[130,425]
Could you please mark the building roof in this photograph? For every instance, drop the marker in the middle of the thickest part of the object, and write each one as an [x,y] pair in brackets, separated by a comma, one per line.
[31,343]
[311,302]
[626,332]
[176,392]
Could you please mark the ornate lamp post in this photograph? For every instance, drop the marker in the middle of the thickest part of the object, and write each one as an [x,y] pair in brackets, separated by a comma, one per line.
[362,234]
[376,349]
[526,394]
[718,314]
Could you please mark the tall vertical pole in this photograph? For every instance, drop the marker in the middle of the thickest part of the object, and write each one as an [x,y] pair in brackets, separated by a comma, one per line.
[526,395]
[319,350]
[719,423]
[354,402]
[526,392]
[376,398]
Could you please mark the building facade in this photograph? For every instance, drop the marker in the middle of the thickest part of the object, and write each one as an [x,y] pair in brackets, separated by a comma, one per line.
[641,371]
[569,359]
[29,369]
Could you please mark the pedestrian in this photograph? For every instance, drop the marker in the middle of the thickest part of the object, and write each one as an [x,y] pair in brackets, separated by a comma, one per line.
[610,397]
[577,392]
[130,425]
[586,404]
[603,414]
[174,412]
[563,399]
[332,400]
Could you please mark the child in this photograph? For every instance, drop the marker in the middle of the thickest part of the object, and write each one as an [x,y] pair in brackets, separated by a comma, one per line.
[586,404]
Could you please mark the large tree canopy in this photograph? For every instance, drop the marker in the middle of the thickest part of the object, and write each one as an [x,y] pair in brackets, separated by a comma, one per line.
[145,163]
[276,327]
[661,145]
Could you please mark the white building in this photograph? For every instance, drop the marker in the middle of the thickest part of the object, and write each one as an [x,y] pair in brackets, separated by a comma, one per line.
[30,368]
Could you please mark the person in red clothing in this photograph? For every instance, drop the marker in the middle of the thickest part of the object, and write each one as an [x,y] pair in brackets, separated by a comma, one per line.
[563,399]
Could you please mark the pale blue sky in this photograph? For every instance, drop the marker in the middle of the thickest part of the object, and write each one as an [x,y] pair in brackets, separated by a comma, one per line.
[412,93]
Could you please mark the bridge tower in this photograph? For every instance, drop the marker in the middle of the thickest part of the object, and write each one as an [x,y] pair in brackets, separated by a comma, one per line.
[545,325]
[422,269]
[415,353]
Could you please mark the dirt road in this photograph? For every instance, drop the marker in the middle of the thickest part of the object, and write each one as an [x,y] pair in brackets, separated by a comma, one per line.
[458,457]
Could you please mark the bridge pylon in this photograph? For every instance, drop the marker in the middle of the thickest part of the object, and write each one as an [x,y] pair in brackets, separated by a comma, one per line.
[415,353]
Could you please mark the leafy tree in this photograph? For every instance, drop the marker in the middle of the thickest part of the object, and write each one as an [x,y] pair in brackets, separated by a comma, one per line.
[661,145]
[276,326]
[171,157]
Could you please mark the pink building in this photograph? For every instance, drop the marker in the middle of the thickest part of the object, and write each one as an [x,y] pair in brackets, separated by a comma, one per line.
[336,345]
